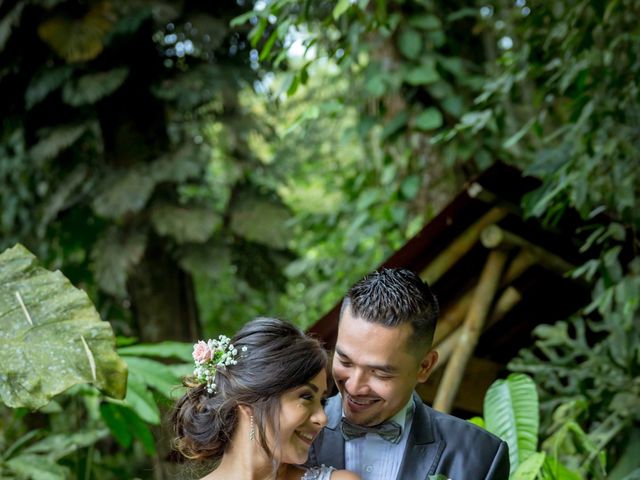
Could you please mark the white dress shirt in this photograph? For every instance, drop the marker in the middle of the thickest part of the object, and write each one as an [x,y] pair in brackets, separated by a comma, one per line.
[374,458]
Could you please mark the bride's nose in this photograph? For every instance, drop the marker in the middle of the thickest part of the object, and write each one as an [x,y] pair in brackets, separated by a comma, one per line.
[319,417]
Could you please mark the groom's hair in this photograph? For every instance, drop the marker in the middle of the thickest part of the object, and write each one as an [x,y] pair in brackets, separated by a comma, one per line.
[392,297]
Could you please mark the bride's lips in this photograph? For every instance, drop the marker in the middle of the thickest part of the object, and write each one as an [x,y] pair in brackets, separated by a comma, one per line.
[305,437]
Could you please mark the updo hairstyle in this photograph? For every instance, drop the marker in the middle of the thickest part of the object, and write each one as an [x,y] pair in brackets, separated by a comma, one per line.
[279,357]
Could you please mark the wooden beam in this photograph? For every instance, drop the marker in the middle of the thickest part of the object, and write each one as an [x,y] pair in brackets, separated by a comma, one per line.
[494,236]
[460,246]
[473,324]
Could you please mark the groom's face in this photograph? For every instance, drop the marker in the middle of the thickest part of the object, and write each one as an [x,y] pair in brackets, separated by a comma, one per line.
[375,369]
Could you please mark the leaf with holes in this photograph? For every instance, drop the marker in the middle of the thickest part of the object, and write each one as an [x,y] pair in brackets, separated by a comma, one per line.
[51,336]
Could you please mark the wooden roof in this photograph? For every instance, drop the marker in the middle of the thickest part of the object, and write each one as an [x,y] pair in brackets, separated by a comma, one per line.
[451,253]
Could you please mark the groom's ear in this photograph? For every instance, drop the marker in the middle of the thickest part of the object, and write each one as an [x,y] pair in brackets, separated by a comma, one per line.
[427,364]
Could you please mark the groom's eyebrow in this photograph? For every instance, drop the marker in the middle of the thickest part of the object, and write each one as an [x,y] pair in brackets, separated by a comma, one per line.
[383,368]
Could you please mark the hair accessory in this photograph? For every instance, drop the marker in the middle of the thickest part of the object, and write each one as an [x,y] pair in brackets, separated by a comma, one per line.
[211,355]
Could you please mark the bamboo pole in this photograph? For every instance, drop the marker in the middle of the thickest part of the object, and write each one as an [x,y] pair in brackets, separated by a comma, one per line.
[451,318]
[505,303]
[460,246]
[493,236]
[473,323]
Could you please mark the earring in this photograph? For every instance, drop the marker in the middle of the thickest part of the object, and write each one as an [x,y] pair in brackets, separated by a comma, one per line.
[252,429]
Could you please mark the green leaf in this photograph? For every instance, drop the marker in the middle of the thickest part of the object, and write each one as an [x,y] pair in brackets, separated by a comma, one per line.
[394,125]
[552,469]
[425,22]
[56,140]
[126,425]
[118,425]
[410,43]
[205,259]
[511,413]
[140,430]
[60,445]
[78,39]
[184,224]
[90,88]
[44,83]
[260,220]
[516,137]
[410,186]
[530,468]
[429,119]
[141,400]
[178,350]
[341,7]
[242,19]
[9,21]
[479,421]
[37,467]
[156,375]
[123,192]
[423,74]
[114,255]
[51,336]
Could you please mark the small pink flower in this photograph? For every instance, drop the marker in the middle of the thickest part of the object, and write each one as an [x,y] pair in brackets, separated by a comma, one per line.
[202,352]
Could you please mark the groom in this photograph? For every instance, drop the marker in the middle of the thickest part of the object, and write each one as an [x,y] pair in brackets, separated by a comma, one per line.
[378,426]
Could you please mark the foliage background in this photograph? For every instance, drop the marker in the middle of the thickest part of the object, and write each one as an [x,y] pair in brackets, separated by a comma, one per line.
[191,171]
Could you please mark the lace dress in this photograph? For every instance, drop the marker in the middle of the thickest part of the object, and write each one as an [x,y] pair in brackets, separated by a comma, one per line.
[318,473]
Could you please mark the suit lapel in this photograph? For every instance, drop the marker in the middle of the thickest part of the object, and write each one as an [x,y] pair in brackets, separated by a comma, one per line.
[423,449]
[330,448]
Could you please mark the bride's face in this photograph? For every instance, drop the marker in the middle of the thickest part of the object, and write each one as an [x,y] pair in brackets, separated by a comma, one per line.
[301,418]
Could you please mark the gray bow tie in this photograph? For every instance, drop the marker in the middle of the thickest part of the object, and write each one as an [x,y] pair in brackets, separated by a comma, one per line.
[389,431]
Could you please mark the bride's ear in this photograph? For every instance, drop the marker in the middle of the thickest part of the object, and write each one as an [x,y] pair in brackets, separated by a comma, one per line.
[245,411]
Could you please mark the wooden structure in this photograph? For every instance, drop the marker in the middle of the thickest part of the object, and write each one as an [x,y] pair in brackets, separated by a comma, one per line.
[496,276]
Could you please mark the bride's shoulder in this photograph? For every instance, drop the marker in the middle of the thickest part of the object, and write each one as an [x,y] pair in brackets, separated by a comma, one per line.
[329,473]
[344,475]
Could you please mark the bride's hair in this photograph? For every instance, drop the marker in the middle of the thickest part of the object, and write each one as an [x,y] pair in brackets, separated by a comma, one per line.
[279,357]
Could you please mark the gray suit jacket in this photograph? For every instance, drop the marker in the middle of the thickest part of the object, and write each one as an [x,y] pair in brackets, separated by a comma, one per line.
[438,443]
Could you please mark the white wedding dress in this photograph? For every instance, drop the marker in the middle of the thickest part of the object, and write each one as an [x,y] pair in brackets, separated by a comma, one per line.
[318,473]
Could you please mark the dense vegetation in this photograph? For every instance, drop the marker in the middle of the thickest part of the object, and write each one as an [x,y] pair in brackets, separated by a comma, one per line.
[190,171]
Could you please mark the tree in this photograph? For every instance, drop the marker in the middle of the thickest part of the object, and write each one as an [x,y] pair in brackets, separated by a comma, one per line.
[124,155]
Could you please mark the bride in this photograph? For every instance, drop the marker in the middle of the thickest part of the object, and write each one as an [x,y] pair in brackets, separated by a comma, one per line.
[255,404]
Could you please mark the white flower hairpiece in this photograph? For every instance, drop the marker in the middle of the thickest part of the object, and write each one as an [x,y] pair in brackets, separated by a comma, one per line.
[211,355]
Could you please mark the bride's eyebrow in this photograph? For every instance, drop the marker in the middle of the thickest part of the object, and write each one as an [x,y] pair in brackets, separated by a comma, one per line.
[314,388]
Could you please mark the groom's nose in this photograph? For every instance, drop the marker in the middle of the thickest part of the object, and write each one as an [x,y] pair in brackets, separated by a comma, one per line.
[357,383]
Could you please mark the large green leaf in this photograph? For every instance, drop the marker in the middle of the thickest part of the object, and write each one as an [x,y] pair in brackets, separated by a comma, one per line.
[261,220]
[124,191]
[114,255]
[511,413]
[90,88]
[530,468]
[179,350]
[48,80]
[78,39]
[35,466]
[55,140]
[184,224]
[51,336]
[54,447]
